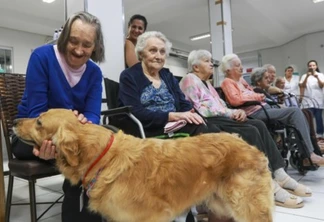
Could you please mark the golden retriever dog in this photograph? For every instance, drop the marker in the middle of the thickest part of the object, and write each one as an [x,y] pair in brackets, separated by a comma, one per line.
[154,180]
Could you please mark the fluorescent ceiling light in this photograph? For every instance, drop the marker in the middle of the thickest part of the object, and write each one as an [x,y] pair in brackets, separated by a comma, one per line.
[201,36]
[317,1]
[48,1]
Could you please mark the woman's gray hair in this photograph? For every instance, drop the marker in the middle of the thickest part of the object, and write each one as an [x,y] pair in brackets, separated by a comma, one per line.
[269,66]
[142,41]
[227,62]
[257,75]
[196,56]
[278,80]
[98,54]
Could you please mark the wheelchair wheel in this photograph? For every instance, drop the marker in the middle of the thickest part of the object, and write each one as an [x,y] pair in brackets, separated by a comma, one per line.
[292,162]
[296,161]
[286,165]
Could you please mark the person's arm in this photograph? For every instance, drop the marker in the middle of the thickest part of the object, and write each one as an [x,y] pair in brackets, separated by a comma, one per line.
[235,97]
[191,90]
[94,97]
[273,90]
[130,56]
[37,82]
[302,86]
[303,81]
[203,102]
[320,82]
[129,95]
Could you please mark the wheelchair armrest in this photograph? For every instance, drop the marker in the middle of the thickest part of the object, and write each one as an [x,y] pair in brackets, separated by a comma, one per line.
[117,111]
[255,103]
[125,110]
[249,103]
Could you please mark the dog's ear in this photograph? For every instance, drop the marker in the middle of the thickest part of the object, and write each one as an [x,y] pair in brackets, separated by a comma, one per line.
[66,141]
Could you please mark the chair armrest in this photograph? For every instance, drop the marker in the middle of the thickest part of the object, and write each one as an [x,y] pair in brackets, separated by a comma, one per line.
[117,111]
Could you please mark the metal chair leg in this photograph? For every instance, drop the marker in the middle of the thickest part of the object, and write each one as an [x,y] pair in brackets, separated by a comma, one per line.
[9,197]
[32,196]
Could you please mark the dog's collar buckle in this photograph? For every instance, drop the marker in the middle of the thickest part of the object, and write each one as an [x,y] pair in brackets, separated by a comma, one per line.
[92,182]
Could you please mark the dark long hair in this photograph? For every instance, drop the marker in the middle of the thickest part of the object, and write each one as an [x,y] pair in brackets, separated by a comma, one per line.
[317,69]
[139,17]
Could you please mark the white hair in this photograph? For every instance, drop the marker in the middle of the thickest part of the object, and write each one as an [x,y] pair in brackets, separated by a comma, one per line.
[142,41]
[196,56]
[227,62]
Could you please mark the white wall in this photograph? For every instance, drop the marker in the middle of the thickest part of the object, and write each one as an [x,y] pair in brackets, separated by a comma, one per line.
[296,53]
[177,66]
[21,43]
[111,16]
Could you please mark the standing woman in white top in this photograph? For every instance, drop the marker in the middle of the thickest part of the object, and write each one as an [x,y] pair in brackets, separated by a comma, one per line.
[291,81]
[311,85]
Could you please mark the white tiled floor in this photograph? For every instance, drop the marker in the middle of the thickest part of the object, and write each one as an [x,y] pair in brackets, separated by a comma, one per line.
[50,189]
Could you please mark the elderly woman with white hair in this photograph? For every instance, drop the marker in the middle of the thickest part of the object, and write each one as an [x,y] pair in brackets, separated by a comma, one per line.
[207,102]
[237,92]
[153,91]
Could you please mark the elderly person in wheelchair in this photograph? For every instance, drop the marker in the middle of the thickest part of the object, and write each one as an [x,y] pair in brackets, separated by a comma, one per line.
[154,93]
[238,92]
[205,99]
[259,79]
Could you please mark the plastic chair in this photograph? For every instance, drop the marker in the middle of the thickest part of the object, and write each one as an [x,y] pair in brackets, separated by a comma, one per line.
[11,91]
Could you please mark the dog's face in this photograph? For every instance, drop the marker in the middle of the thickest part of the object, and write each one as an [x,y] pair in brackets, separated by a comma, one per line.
[34,131]
[56,125]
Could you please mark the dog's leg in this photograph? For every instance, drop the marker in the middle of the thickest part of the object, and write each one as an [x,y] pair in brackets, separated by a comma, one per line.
[250,199]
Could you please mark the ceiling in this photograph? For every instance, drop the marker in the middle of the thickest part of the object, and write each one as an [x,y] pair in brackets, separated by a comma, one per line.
[257,24]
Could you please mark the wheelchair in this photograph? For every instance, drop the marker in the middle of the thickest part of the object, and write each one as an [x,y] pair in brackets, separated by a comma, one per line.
[291,140]
[287,137]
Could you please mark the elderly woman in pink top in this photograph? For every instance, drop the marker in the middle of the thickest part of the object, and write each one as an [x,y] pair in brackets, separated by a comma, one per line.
[207,102]
[237,92]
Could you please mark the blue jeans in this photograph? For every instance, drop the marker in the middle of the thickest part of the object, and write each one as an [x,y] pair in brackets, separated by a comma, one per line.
[319,120]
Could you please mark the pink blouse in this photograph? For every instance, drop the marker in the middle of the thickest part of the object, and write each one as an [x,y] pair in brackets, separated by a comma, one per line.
[240,92]
[204,99]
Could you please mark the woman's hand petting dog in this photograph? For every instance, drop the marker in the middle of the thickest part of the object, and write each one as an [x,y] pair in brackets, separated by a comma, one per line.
[48,151]
[81,117]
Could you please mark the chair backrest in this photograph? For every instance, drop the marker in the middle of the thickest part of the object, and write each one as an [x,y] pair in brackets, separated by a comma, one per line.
[123,122]
[247,77]
[112,90]
[221,93]
[12,87]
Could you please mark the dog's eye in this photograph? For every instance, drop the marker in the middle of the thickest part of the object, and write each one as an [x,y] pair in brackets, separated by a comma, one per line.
[39,123]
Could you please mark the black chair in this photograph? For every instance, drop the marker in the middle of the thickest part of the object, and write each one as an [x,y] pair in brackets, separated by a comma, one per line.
[11,91]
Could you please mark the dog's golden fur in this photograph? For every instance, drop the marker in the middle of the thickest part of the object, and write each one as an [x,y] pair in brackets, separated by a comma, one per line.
[146,180]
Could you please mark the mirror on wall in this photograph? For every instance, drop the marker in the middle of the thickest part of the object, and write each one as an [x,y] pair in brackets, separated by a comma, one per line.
[5,60]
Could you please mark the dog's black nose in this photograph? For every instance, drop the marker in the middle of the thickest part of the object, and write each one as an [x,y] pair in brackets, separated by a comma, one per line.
[15,122]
